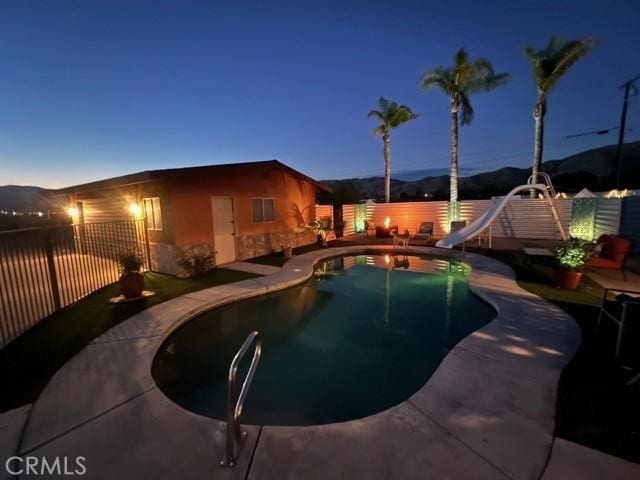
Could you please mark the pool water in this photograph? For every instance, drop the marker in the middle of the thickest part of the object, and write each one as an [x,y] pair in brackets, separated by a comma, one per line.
[364,334]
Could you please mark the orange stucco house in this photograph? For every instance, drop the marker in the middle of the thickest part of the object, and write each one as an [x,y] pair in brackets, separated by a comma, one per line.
[234,211]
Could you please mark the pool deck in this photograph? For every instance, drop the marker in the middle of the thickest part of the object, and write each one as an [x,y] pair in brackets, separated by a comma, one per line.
[487,412]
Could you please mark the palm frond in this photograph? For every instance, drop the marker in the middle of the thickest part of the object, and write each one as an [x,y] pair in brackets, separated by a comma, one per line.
[552,62]
[391,115]
[400,115]
[438,77]
[466,110]
[566,57]
[461,58]
[486,83]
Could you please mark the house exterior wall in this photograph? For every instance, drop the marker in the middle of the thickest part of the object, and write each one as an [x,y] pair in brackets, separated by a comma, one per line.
[187,216]
[193,220]
[112,205]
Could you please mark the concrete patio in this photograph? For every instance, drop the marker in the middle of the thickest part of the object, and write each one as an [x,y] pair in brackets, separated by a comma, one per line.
[487,412]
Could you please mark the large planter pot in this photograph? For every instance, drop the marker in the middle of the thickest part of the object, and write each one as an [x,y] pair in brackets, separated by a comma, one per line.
[567,279]
[131,285]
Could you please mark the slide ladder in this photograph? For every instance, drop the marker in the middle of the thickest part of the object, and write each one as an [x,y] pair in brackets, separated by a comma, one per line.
[484,221]
[550,195]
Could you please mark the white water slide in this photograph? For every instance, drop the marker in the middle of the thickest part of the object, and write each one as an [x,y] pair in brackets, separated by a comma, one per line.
[476,227]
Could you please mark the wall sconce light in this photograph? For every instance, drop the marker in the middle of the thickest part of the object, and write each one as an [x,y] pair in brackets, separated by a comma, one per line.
[135,209]
[72,212]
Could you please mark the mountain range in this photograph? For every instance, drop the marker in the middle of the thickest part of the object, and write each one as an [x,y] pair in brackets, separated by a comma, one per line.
[22,198]
[594,169]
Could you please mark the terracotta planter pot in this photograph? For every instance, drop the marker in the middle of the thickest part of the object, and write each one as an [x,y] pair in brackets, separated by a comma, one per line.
[568,280]
[131,285]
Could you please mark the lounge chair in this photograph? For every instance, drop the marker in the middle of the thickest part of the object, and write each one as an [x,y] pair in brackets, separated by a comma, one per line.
[425,231]
[369,227]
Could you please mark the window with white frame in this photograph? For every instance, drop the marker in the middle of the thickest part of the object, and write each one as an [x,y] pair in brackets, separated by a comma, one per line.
[153,213]
[263,210]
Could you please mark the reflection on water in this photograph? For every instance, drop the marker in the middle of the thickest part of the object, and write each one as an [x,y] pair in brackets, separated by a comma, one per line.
[362,335]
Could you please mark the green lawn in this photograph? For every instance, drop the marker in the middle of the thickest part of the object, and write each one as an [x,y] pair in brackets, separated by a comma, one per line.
[594,406]
[27,363]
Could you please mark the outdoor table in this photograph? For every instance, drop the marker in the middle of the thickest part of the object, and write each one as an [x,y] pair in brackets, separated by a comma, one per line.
[537,253]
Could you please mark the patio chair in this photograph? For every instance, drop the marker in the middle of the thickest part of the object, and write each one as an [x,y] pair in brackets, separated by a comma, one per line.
[624,307]
[369,227]
[613,251]
[425,232]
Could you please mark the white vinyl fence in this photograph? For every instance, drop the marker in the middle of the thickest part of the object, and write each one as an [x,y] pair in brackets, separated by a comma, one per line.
[521,218]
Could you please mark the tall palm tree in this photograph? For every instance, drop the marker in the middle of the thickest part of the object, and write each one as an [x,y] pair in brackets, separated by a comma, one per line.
[391,115]
[549,65]
[459,82]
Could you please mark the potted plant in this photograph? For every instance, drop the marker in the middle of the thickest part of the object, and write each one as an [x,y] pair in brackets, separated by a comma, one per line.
[571,259]
[131,280]
[322,227]
[287,252]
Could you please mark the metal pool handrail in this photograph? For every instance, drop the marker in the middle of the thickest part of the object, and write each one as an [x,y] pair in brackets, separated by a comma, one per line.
[234,430]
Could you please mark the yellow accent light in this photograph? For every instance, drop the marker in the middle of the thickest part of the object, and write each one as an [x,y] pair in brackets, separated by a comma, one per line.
[387,222]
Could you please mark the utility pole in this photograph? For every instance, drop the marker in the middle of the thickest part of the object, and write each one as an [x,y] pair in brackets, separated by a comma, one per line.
[628,85]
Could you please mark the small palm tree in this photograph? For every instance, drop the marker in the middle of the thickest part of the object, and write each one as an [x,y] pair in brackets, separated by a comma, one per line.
[549,65]
[391,115]
[459,82]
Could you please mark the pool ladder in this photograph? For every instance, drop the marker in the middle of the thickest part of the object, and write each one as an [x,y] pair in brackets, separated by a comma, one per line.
[235,435]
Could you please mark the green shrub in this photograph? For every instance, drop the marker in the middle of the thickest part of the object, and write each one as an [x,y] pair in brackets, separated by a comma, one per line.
[572,256]
[129,262]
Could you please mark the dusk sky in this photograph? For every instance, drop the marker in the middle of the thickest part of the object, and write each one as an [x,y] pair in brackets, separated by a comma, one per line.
[91,89]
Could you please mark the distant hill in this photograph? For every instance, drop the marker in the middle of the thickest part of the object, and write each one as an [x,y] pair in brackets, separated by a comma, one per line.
[594,169]
[428,172]
[22,198]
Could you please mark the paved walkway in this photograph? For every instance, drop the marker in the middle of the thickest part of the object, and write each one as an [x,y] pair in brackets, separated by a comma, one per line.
[249,267]
[11,426]
[608,278]
[570,460]
[487,412]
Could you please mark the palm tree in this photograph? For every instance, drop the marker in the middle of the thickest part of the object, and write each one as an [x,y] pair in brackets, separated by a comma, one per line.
[549,65]
[391,115]
[459,82]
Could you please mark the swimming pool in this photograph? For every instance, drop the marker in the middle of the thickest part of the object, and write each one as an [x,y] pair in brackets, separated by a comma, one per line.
[364,334]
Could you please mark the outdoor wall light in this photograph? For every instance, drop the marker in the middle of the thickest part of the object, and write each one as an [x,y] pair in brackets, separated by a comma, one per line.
[72,211]
[135,209]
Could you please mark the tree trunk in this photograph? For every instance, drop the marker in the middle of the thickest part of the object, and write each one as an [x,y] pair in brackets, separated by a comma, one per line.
[452,209]
[386,151]
[453,177]
[538,116]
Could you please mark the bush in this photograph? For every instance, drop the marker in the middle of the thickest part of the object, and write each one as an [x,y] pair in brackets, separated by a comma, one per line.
[198,264]
[572,256]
